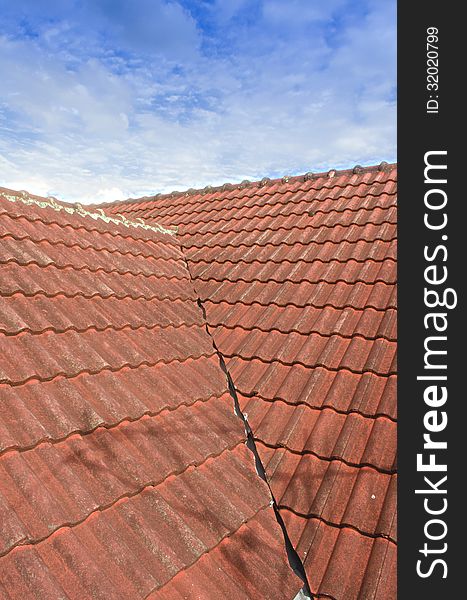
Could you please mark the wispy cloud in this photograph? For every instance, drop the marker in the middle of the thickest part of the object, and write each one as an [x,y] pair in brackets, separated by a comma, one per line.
[105,99]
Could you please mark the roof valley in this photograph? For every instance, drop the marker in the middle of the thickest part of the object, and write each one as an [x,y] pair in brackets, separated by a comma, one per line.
[295,562]
[274,262]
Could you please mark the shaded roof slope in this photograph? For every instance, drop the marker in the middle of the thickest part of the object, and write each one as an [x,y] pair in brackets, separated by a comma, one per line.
[297,277]
[123,468]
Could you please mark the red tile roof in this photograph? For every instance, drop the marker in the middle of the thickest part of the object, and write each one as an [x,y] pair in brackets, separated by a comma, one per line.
[298,281]
[123,468]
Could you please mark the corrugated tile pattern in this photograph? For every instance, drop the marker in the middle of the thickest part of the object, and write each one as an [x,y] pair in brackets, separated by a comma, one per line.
[259,578]
[298,281]
[122,464]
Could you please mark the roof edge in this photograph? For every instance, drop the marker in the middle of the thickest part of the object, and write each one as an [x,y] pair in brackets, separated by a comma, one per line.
[265,181]
[77,208]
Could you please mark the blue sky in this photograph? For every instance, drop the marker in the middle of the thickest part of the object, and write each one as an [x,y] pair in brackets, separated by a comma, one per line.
[105,99]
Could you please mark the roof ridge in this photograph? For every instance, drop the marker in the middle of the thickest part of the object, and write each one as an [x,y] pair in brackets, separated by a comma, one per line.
[77,208]
[357,169]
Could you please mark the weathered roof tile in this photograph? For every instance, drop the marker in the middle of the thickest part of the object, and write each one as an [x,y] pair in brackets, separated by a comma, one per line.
[298,280]
[122,463]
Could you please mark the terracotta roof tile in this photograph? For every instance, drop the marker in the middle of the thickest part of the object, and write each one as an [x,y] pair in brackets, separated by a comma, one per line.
[38,313]
[140,543]
[351,437]
[347,322]
[355,354]
[122,462]
[318,387]
[297,278]
[343,563]
[52,281]
[245,580]
[361,498]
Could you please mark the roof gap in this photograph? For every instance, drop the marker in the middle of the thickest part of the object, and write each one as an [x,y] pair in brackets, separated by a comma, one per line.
[292,555]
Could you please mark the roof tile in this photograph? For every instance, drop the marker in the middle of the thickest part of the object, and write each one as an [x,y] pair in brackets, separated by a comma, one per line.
[298,281]
[122,461]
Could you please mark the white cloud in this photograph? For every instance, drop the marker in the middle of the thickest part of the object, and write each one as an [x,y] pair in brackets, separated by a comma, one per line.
[90,119]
